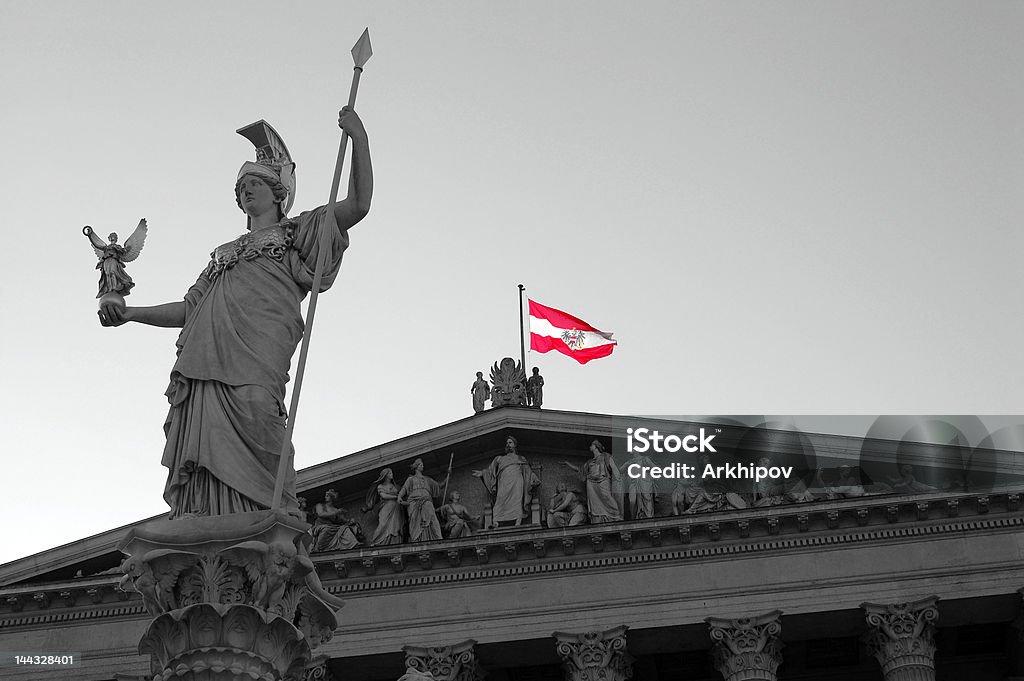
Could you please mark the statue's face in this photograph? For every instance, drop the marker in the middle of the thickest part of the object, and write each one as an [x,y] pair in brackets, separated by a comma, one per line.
[560,487]
[456,497]
[112,237]
[256,196]
[510,445]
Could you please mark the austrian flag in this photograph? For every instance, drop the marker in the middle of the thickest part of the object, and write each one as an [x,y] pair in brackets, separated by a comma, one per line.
[552,329]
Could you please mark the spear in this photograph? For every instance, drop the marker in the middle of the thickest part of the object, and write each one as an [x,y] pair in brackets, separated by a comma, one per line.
[361,53]
[444,499]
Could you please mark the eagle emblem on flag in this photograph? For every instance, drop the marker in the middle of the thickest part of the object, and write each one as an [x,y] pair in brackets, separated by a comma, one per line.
[574,338]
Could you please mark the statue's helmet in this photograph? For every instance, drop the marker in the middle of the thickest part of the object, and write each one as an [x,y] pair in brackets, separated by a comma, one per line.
[273,162]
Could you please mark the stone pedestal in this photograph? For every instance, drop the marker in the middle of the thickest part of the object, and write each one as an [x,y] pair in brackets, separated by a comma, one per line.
[901,636]
[232,597]
[445,663]
[595,655]
[749,648]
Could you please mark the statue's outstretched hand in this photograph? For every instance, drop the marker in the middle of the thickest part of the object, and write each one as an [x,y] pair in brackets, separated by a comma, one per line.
[113,311]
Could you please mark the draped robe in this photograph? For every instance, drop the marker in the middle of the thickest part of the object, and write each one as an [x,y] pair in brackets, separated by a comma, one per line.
[510,481]
[226,423]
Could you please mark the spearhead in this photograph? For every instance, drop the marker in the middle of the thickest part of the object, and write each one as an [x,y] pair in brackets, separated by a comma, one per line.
[361,51]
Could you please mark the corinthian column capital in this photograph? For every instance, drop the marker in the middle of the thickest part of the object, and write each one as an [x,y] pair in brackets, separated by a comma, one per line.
[747,649]
[445,663]
[595,655]
[901,636]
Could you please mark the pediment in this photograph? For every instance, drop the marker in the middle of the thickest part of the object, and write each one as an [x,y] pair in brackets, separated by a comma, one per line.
[546,438]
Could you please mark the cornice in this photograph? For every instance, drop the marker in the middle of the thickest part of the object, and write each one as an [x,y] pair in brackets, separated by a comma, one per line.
[536,553]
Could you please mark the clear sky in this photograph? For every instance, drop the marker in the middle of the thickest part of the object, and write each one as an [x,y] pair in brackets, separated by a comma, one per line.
[786,208]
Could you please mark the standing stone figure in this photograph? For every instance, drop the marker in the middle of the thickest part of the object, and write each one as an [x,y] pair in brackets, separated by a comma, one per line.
[456,520]
[535,389]
[510,482]
[603,483]
[390,517]
[417,495]
[114,280]
[481,392]
[566,509]
[240,324]
[640,495]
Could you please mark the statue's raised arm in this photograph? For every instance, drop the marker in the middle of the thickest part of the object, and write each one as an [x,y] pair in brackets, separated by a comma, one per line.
[352,209]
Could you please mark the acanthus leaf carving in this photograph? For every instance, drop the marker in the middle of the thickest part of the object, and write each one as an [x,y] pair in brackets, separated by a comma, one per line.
[595,655]
[445,663]
[748,647]
[901,636]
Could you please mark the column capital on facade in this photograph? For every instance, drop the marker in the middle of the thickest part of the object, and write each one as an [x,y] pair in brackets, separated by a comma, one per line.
[747,648]
[594,655]
[901,636]
[445,663]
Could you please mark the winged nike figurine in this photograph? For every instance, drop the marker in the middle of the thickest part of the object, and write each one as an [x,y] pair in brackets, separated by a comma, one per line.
[113,277]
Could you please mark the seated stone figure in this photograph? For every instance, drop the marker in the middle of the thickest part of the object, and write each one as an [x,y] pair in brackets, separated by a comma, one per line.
[907,483]
[456,520]
[332,529]
[846,485]
[566,508]
[700,495]
[771,492]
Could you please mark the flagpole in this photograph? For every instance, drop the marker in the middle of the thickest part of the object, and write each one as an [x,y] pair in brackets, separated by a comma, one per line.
[522,342]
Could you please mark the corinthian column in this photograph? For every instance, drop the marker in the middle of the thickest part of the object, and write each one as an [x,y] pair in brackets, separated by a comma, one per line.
[595,655]
[747,649]
[444,663]
[232,597]
[901,636]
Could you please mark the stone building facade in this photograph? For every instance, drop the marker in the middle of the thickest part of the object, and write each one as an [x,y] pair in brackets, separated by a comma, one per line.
[898,581]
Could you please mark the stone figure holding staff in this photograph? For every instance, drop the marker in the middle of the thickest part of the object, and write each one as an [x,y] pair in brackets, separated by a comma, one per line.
[240,324]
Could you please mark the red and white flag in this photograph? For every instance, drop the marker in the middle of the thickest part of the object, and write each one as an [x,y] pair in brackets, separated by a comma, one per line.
[552,329]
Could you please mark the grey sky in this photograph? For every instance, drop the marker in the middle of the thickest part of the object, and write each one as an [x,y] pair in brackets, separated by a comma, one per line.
[777,207]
